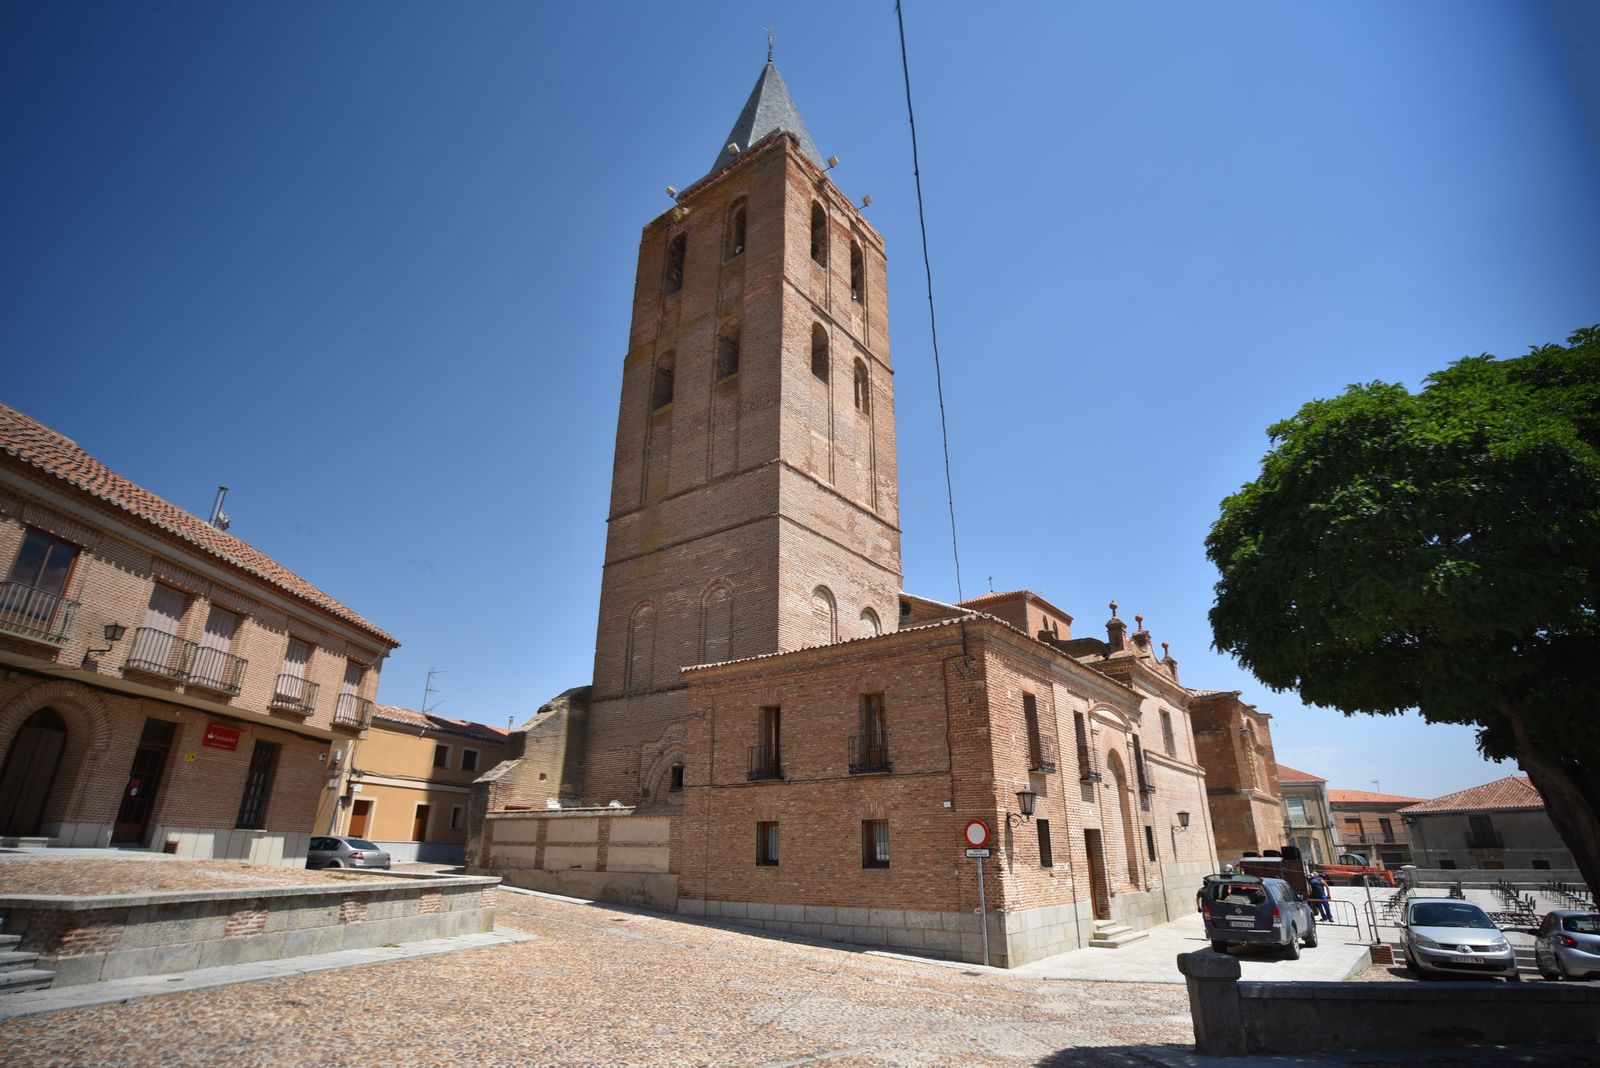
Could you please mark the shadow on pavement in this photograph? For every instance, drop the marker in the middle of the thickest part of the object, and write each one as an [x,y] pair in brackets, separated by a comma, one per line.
[1184,1056]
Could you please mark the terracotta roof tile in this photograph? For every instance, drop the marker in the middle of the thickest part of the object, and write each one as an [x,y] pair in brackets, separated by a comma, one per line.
[1356,797]
[428,721]
[1288,774]
[1511,792]
[32,443]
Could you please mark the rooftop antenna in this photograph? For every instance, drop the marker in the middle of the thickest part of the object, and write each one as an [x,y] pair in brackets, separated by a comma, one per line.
[1375,786]
[429,689]
[219,518]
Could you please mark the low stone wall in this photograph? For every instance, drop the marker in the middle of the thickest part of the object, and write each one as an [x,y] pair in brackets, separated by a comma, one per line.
[118,936]
[1236,1019]
[641,889]
[603,854]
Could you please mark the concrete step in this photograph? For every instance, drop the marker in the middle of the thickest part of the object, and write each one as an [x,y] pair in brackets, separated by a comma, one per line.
[16,960]
[28,979]
[25,842]
[7,941]
[1116,939]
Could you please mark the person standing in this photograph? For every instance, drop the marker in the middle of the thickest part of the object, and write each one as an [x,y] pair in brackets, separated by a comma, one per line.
[1319,898]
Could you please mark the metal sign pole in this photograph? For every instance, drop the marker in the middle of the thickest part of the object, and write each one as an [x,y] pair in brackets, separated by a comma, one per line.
[983,914]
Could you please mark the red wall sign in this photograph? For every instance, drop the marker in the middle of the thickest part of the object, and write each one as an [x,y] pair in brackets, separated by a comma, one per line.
[976,834]
[220,737]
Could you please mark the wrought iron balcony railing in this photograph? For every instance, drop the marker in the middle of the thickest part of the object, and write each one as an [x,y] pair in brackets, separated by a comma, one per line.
[295,694]
[216,670]
[764,763]
[156,652]
[869,752]
[1043,753]
[352,711]
[29,613]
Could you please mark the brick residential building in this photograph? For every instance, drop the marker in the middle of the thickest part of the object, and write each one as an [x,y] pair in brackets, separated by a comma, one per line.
[405,784]
[1233,741]
[815,737]
[1499,825]
[1370,823]
[166,684]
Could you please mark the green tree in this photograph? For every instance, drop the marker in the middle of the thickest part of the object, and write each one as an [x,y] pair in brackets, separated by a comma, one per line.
[1438,550]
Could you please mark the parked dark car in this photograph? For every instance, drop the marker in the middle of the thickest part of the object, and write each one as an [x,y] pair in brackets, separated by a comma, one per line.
[1566,944]
[1248,908]
[1447,936]
[342,852]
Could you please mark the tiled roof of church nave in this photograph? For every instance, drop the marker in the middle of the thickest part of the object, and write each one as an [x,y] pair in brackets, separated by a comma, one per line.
[32,443]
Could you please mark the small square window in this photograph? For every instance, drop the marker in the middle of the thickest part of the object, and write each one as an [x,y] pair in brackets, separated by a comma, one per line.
[469,760]
[767,845]
[441,756]
[874,843]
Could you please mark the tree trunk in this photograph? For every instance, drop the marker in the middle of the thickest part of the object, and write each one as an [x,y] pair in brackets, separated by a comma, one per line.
[1571,799]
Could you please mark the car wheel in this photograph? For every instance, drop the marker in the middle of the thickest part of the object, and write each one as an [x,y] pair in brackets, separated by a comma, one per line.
[1218,946]
[1311,937]
[1411,965]
[335,864]
[1513,978]
[1292,950]
[1562,975]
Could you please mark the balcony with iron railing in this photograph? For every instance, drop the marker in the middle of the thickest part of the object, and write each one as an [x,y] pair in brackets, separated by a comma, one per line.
[765,763]
[869,753]
[352,711]
[33,614]
[1043,753]
[214,669]
[295,694]
[156,652]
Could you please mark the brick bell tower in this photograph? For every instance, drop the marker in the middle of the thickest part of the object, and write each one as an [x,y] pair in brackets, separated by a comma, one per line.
[754,500]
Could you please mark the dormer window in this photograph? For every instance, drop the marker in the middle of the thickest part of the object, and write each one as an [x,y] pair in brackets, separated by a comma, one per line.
[735,239]
[858,283]
[661,385]
[819,234]
[677,250]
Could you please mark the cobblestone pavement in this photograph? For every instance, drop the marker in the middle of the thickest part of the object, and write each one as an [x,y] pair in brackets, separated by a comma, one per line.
[608,986]
[102,871]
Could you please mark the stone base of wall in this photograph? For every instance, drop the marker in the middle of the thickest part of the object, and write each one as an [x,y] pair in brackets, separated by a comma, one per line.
[119,936]
[646,890]
[277,848]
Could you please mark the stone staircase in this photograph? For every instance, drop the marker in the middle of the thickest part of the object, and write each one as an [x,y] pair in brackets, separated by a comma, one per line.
[17,970]
[1109,934]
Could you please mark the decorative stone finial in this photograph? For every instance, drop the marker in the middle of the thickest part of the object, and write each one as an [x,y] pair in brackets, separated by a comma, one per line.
[1165,650]
[1139,620]
[1113,610]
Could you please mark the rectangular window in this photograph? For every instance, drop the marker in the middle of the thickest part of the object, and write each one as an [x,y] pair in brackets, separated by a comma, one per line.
[1166,733]
[1386,827]
[1447,864]
[213,666]
[874,843]
[677,778]
[155,645]
[766,756]
[1352,827]
[30,601]
[1150,842]
[469,760]
[1041,753]
[1145,785]
[1046,857]
[455,817]
[767,845]
[258,787]
[1297,811]
[441,756]
[1086,769]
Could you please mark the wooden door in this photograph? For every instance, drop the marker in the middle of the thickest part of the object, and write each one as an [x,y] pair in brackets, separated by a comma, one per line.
[360,814]
[1099,889]
[144,780]
[30,771]
[419,825]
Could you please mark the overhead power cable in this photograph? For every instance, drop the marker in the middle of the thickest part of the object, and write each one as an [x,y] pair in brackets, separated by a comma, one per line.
[933,323]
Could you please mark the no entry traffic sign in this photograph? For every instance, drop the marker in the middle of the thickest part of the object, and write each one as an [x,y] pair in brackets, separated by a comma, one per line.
[976,834]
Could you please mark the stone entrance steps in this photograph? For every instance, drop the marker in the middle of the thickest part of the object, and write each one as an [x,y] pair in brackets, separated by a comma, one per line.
[12,841]
[17,971]
[1109,934]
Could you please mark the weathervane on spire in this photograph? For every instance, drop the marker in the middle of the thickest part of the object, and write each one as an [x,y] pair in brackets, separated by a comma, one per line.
[769,44]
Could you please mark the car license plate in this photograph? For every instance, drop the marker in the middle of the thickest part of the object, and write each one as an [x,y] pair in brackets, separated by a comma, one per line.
[1459,959]
[1241,923]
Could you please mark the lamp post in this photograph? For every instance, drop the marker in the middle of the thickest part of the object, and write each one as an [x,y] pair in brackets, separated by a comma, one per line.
[112,633]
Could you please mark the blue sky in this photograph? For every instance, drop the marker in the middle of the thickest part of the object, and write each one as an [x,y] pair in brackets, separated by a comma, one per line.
[370,265]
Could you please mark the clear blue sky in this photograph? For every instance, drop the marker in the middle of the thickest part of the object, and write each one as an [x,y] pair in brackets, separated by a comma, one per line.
[370,265]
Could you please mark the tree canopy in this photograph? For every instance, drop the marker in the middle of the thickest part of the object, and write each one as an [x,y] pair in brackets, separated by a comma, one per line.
[1438,550]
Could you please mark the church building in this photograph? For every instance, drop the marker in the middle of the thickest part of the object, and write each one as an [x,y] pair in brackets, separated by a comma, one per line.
[776,733]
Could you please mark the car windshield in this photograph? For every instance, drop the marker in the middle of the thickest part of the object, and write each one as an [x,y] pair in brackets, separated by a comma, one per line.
[1581,924]
[360,843]
[1449,914]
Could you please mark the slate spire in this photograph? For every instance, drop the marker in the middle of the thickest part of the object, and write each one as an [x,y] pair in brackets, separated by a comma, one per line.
[768,110]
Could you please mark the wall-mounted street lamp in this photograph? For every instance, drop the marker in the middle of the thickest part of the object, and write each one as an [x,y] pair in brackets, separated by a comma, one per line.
[1181,825]
[1025,801]
[112,632]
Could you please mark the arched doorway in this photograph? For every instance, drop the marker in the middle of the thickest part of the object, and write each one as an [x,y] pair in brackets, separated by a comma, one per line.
[30,771]
[1130,840]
